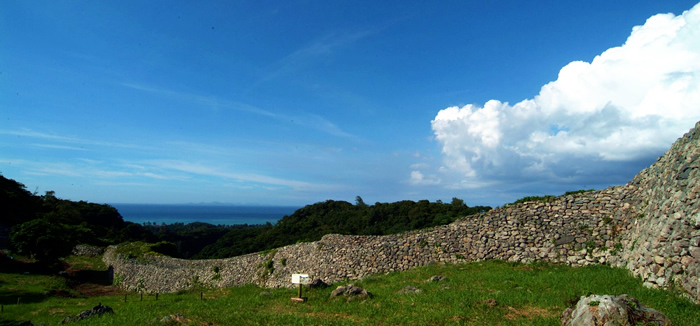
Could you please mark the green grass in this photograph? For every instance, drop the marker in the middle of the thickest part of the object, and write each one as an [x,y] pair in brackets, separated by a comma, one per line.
[86,263]
[534,294]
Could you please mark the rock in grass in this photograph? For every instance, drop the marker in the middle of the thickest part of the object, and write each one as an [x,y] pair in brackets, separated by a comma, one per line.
[318,283]
[410,289]
[97,310]
[606,310]
[436,278]
[176,319]
[351,292]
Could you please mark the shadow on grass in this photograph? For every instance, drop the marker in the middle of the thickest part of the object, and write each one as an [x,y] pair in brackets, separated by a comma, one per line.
[91,276]
[16,266]
[21,297]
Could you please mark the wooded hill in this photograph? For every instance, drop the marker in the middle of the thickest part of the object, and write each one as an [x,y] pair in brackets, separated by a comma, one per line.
[46,227]
[312,222]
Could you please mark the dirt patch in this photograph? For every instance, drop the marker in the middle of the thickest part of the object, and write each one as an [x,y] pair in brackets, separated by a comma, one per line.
[91,283]
[98,290]
[528,312]
[56,311]
[524,268]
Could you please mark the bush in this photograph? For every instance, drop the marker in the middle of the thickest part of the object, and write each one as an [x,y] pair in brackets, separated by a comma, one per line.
[43,240]
[165,248]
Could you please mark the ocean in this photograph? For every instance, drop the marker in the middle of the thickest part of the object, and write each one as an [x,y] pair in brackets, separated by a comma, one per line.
[212,214]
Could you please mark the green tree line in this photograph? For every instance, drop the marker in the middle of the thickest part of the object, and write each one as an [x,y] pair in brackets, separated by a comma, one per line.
[46,227]
[312,222]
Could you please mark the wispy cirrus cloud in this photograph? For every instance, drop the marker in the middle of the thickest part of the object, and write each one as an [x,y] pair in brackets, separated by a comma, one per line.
[323,46]
[313,121]
[202,99]
[72,148]
[212,171]
[29,133]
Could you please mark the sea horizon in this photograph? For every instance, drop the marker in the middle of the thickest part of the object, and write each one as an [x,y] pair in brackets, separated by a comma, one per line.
[212,213]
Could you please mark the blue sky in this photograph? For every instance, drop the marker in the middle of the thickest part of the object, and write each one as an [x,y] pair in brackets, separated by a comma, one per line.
[295,102]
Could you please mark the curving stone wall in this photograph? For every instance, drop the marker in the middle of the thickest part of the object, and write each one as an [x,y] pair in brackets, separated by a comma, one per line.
[662,241]
[650,226]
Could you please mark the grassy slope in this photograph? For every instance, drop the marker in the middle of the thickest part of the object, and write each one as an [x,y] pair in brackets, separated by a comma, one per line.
[533,294]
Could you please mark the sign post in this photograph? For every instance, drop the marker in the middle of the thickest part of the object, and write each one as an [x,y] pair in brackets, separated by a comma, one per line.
[300,279]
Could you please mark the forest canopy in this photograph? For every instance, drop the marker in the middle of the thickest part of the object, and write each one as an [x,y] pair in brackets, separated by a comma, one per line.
[312,222]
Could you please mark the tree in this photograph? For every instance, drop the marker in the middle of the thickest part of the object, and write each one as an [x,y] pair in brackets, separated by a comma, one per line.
[43,240]
[360,202]
[17,205]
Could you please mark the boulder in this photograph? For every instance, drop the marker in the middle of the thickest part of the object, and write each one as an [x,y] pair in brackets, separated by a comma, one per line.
[97,310]
[318,283]
[351,292]
[606,310]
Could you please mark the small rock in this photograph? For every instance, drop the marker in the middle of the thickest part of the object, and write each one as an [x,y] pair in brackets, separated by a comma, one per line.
[176,319]
[410,289]
[436,278]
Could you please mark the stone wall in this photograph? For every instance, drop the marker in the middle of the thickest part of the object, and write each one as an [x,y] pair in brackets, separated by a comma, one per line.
[662,241]
[649,226]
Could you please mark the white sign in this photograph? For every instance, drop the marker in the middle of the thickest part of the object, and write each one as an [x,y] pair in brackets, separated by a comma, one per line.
[300,279]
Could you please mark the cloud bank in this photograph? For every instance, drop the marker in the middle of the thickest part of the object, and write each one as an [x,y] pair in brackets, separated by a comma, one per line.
[629,104]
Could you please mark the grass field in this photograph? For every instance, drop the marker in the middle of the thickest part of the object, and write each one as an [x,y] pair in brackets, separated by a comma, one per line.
[534,294]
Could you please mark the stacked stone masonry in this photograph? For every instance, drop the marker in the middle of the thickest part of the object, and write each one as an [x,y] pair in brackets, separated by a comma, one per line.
[650,226]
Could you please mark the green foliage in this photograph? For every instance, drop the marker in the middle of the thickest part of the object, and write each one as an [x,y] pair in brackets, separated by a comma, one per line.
[266,269]
[47,227]
[43,240]
[594,303]
[118,278]
[269,264]
[165,248]
[312,222]
[137,250]
[544,199]
[574,192]
[617,248]
[17,205]
[190,238]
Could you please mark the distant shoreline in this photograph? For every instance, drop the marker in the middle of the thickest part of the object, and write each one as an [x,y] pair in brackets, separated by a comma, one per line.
[212,213]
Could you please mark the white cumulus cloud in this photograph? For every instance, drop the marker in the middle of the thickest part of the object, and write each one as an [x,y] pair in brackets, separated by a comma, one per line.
[629,104]
[417,178]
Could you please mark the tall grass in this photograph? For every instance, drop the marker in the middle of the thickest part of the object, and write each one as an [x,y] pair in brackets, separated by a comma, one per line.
[480,293]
